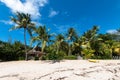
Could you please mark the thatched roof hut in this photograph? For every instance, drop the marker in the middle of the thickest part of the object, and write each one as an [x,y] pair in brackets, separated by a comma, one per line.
[35,52]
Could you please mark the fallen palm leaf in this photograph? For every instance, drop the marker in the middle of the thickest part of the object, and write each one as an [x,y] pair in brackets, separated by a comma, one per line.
[91,60]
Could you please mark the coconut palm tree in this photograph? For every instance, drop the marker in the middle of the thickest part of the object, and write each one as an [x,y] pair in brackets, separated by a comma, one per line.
[89,39]
[91,34]
[23,20]
[42,36]
[59,40]
[71,37]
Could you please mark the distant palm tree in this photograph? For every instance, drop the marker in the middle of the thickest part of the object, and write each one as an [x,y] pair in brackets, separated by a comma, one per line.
[118,30]
[59,40]
[42,37]
[117,34]
[23,20]
[71,37]
[91,34]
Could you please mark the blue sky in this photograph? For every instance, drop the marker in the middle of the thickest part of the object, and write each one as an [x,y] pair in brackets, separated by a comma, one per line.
[59,15]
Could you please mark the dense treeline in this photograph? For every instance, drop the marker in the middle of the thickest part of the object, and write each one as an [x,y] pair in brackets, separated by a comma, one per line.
[68,46]
[12,51]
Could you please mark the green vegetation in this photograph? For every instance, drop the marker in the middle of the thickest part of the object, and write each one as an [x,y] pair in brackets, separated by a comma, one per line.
[12,51]
[71,57]
[23,21]
[90,45]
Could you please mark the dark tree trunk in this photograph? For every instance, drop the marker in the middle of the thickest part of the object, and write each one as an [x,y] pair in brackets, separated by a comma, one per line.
[69,50]
[25,44]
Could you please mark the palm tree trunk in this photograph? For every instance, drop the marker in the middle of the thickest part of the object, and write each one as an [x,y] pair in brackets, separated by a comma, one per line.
[25,44]
[43,45]
[69,50]
[58,47]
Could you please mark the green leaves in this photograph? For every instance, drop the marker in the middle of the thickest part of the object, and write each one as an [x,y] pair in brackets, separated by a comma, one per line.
[88,53]
[22,20]
[41,36]
[71,34]
[91,34]
[90,44]
[14,27]
[11,51]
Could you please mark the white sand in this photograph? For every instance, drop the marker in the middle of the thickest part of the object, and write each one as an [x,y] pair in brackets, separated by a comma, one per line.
[64,70]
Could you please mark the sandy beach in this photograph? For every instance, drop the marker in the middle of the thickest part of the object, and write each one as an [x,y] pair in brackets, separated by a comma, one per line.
[64,70]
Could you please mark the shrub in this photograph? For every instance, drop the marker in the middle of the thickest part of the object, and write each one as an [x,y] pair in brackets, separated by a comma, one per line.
[71,57]
[87,53]
[43,57]
[21,58]
[54,56]
[36,58]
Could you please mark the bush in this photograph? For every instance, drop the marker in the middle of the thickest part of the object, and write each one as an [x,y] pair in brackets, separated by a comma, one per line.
[54,56]
[43,57]
[36,58]
[71,57]
[21,58]
[88,53]
[10,52]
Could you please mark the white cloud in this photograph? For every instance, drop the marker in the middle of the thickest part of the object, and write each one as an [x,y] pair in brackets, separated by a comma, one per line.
[112,31]
[29,6]
[7,22]
[64,28]
[53,13]
[37,23]
[55,25]
[65,13]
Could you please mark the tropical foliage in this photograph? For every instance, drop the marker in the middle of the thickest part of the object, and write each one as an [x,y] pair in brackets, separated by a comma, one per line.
[12,51]
[68,45]
[23,20]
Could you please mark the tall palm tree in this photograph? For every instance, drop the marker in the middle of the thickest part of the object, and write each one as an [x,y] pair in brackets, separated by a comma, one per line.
[91,34]
[23,20]
[42,37]
[59,40]
[71,37]
[89,39]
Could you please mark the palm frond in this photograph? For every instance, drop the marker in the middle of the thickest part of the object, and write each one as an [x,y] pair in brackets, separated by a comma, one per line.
[14,27]
[35,39]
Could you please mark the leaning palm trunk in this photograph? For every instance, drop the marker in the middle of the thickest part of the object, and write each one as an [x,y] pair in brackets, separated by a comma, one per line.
[69,50]
[25,43]
[58,47]
[43,45]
